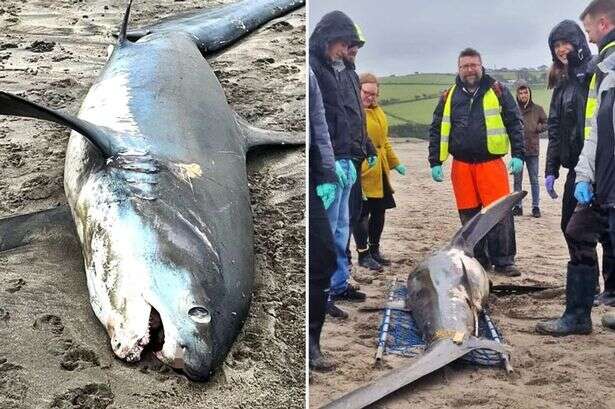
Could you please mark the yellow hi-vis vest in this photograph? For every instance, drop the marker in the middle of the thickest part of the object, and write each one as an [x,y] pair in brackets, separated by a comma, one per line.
[592,99]
[497,138]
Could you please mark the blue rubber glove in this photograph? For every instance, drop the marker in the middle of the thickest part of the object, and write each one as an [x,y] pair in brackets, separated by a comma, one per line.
[326,191]
[341,174]
[550,186]
[401,169]
[515,166]
[353,174]
[371,160]
[583,193]
[436,173]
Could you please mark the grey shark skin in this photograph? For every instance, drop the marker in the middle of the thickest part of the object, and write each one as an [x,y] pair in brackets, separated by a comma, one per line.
[446,293]
[155,177]
[217,28]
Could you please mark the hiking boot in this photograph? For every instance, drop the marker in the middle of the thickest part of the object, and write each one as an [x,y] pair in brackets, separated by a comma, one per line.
[366,260]
[336,312]
[580,289]
[507,271]
[354,287]
[350,294]
[517,211]
[608,320]
[536,212]
[374,250]
[605,298]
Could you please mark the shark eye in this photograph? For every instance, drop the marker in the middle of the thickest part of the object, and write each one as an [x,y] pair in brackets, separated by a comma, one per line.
[200,315]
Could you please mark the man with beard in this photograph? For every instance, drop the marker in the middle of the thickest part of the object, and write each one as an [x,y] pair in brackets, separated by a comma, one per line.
[534,122]
[328,45]
[477,120]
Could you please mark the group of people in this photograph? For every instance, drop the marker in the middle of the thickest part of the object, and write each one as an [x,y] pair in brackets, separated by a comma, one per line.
[477,121]
[349,165]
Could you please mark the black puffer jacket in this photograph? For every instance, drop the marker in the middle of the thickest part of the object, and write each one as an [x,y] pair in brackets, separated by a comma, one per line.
[362,146]
[333,26]
[468,137]
[567,111]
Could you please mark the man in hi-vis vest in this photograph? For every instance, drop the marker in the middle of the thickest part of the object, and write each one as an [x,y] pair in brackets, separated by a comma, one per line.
[476,121]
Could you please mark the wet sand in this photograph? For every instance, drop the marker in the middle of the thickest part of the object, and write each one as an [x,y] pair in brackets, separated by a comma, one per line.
[53,350]
[569,372]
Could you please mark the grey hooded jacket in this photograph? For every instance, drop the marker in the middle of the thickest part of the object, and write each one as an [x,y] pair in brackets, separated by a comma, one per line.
[597,159]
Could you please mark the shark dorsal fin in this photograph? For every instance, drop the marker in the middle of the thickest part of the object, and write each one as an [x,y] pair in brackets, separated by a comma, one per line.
[478,226]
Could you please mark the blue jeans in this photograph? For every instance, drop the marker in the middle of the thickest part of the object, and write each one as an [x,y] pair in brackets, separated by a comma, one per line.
[339,218]
[531,162]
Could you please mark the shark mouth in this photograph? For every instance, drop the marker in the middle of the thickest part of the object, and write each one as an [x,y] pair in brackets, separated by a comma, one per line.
[156,331]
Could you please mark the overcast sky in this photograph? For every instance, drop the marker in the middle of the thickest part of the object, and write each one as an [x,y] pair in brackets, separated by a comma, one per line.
[404,36]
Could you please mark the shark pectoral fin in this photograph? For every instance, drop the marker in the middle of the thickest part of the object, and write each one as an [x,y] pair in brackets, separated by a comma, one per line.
[17,231]
[13,105]
[482,343]
[478,226]
[258,137]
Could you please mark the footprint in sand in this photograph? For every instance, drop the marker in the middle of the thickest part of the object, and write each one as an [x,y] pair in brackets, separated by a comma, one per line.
[15,285]
[91,396]
[78,357]
[50,323]
[4,315]
[12,387]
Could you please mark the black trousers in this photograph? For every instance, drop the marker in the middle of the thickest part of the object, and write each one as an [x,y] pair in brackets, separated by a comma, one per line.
[370,225]
[587,227]
[569,203]
[355,204]
[499,246]
[322,259]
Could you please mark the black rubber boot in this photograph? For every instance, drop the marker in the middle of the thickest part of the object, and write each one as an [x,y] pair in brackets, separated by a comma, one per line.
[318,306]
[366,260]
[581,283]
[374,250]
[608,320]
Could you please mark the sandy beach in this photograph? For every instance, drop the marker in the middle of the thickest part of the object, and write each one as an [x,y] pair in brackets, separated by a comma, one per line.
[53,351]
[569,372]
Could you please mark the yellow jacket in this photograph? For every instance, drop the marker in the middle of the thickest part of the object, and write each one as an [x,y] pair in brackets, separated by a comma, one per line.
[378,131]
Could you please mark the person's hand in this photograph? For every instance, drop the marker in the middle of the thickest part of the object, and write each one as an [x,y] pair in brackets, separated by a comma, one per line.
[371,160]
[353,174]
[326,191]
[401,169]
[550,186]
[583,193]
[342,179]
[515,166]
[436,173]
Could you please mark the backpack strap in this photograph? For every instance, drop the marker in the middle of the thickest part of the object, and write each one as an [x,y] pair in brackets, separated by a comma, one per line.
[497,88]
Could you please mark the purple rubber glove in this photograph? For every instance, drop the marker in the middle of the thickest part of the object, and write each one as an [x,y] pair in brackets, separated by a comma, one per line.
[549,185]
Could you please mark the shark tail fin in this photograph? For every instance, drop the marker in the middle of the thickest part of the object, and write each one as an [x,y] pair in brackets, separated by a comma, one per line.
[216,28]
[478,226]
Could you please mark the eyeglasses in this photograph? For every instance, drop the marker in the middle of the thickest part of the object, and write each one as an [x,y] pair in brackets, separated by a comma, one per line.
[467,67]
[370,94]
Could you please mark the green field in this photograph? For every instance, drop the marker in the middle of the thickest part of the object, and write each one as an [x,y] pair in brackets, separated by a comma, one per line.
[410,87]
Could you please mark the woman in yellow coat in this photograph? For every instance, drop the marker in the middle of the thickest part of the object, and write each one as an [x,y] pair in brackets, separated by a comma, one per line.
[375,180]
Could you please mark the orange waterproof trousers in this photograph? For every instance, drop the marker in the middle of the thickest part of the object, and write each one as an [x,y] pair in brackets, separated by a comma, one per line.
[479,184]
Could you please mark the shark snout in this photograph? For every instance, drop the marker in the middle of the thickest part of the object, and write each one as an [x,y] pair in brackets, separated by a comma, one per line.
[129,348]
